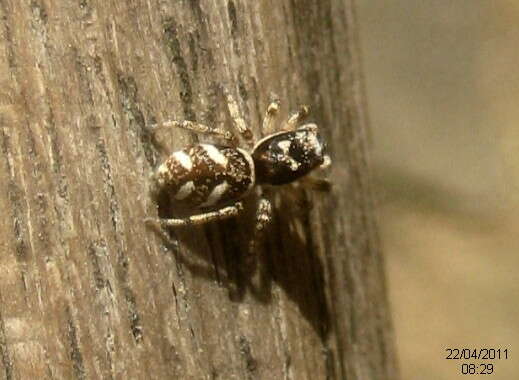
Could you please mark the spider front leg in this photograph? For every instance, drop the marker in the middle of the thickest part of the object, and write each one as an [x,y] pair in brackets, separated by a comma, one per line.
[223,213]
[198,128]
[238,121]
[268,120]
[327,162]
[296,118]
[318,184]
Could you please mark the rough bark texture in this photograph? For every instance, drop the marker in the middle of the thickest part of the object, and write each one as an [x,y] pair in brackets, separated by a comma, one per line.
[86,290]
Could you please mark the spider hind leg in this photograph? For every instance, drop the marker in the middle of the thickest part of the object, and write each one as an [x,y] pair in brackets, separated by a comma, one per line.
[197,219]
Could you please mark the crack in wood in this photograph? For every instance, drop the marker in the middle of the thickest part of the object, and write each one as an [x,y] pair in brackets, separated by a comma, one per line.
[129,100]
[7,35]
[93,253]
[14,195]
[172,42]
[4,350]
[122,259]
[74,351]
[231,11]
[129,296]
[250,362]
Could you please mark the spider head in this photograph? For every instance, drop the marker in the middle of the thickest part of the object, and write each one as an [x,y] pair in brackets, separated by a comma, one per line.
[285,157]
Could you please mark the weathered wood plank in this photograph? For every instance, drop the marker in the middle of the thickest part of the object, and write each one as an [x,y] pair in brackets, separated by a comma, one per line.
[86,290]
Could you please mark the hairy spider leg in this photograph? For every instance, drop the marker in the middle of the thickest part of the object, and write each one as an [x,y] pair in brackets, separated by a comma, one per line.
[318,184]
[240,125]
[271,113]
[295,118]
[263,219]
[198,128]
[223,213]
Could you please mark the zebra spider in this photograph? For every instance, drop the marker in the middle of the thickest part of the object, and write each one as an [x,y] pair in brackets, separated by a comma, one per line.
[213,179]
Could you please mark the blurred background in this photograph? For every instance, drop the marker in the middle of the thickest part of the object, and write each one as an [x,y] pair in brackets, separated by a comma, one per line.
[442,82]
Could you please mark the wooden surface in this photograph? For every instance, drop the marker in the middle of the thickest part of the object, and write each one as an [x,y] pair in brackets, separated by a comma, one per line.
[86,290]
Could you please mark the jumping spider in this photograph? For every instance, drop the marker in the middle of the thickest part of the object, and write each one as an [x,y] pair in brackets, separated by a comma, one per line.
[214,179]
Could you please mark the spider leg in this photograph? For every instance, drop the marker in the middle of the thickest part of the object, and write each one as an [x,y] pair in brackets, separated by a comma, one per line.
[326,163]
[263,214]
[268,120]
[198,128]
[223,213]
[296,118]
[316,184]
[238,121]
[263,219]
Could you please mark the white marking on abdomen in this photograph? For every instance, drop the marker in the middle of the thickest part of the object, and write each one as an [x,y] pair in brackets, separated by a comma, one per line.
[250,161]
[215,155]
[216,194]
[185,190]
[163,173]
[183,159]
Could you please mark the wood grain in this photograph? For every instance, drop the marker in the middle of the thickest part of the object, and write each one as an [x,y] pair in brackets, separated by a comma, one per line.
[86,290]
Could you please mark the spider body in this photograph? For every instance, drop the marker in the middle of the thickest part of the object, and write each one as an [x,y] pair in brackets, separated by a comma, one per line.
[215,178]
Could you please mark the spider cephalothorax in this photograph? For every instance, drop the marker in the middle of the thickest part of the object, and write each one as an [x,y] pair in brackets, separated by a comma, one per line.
[285,157]
[214,179]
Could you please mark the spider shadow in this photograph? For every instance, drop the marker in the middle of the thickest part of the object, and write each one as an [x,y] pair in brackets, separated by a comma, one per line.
[285,257]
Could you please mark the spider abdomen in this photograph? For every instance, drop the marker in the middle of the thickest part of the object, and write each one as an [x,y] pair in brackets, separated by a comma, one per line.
[206,175]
